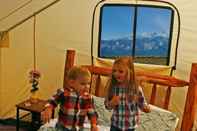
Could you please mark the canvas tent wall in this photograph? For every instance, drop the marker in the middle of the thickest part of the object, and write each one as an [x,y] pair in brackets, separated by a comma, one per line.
[67,24]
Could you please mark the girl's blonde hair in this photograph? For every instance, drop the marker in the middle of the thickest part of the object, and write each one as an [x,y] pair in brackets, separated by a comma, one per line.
[131,79]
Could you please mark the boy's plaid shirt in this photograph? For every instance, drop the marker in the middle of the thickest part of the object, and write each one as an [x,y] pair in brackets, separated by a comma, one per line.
[125,115]
[73,108]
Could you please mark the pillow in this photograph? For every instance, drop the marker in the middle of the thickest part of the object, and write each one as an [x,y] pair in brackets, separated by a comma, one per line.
[104,115]
[157,120]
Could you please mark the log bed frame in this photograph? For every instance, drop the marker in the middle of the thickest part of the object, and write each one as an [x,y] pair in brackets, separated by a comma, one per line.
[188,117]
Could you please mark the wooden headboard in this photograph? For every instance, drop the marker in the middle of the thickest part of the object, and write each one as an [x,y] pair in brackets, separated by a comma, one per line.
[169,82]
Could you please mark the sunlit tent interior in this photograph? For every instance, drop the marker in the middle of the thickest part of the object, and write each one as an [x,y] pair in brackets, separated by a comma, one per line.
[160,35]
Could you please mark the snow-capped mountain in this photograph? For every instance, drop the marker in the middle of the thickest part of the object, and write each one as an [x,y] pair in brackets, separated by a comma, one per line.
[153,44]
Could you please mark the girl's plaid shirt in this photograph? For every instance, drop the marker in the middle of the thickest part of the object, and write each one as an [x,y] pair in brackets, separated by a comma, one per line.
[73,108]
[125,115]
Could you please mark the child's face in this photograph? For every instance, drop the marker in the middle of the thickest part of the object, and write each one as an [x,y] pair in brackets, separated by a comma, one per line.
[81,84]
[119,72]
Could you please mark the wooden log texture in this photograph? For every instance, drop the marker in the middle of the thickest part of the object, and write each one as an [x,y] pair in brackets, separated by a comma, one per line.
[190,105]
[69,62]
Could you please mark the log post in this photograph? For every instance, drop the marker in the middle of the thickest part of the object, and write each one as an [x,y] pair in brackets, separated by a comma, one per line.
[153,94]
[167,98]
[98,82]
[69,62]
[190,105]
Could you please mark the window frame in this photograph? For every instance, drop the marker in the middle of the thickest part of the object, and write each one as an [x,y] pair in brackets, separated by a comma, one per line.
[135,6]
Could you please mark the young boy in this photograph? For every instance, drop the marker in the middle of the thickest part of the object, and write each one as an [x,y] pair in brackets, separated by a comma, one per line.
[75,102]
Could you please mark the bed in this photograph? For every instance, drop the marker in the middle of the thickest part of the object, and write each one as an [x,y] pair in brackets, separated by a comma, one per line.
[159,119]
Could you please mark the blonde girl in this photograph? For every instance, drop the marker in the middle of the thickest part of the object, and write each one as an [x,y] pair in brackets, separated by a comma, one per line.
[124,96]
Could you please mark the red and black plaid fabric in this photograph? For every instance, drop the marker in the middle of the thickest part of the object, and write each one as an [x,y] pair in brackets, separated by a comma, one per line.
[74,108]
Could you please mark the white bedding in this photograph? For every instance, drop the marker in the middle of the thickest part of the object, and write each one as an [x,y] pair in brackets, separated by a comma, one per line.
[51,126]
[157,120]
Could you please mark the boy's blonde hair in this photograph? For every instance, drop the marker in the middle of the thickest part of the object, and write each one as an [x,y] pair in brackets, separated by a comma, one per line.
[78,71]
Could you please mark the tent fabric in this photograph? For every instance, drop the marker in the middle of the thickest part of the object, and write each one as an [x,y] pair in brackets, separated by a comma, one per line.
[67,25]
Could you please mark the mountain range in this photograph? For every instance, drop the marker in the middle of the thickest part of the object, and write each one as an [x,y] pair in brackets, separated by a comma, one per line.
[149,45]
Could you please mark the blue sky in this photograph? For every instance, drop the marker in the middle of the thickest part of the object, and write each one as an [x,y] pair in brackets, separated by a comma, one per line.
[117,21]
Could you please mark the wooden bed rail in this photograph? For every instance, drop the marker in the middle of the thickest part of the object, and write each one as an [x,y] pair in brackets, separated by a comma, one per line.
[155,79]
[143,76]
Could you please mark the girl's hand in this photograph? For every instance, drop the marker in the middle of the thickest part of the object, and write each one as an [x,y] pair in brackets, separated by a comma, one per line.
[134,98]
[115,101]
[146,109]
[46,115]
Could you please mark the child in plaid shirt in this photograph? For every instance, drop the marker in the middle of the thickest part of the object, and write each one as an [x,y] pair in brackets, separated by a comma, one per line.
[124,96]
[75,102]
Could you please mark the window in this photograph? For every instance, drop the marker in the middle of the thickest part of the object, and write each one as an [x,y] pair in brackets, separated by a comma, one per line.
[139,31]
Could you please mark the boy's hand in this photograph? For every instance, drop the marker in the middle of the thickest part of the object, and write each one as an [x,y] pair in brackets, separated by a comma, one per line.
[115,100]
[46,114]
[94,128]
[83,113]
[146,109]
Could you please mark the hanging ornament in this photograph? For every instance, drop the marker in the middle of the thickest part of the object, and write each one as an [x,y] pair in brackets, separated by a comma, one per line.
[34,76]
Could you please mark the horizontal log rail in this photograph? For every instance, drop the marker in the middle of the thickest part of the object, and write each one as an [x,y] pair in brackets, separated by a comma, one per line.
[143,77]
